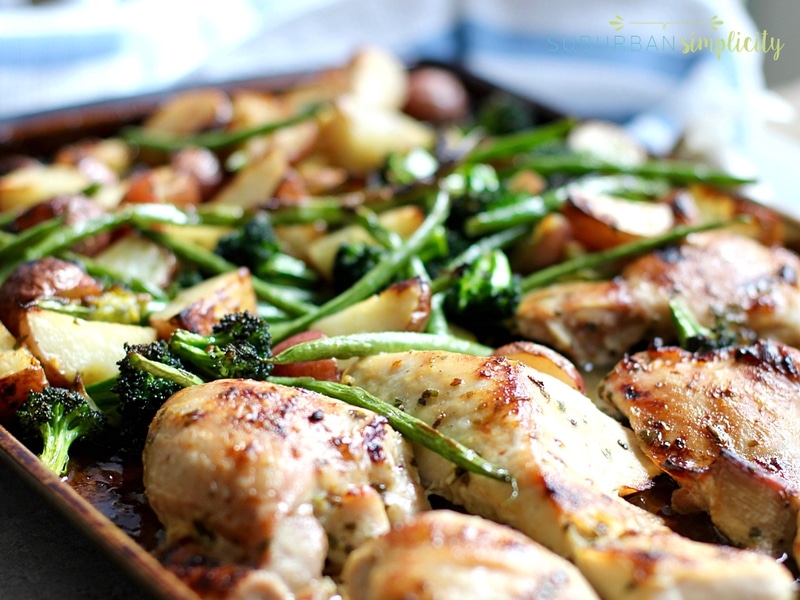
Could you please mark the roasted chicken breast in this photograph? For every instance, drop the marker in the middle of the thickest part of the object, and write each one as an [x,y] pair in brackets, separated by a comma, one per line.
[725,424]
[571,463]
[278,478]
[716,273]
[446,555]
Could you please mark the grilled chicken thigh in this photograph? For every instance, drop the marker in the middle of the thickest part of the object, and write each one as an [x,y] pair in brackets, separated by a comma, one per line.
[277,478]
[725,425]
[445,555]
[571,463]
[716,272]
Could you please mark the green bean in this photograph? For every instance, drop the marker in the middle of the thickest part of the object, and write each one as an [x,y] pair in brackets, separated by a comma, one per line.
[99,271]
[415,430]
[524,212]
[179,376]
[552,274]
[213,140]
[678,172]
[437,321]
[17,245]
[366,344]
[394,260]
[214,263]
[507,145]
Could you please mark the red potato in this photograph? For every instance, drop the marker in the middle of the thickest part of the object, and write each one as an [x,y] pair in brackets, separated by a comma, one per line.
[325,369]
[191,111]
[20,373]
[164,185]
[75,208]
[436,95]
[600,221]
[546,360]
[46,278]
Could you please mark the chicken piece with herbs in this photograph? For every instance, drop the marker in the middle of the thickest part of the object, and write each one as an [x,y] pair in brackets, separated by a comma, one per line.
[725,425]
[572,463]
[448,555]
[282,480]
[719,274]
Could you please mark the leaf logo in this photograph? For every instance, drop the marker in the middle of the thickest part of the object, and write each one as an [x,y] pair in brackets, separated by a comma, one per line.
[715,22]
[618,24]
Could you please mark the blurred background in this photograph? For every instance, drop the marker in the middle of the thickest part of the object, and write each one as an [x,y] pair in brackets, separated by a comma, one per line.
[740,108]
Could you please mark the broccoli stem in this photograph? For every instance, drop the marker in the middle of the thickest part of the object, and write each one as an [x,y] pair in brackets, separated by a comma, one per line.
[413,429]
[677,172]
[366,344]
[57,441]
[214,263]
[686,325]
[394,260]
[212,140]
[551,274]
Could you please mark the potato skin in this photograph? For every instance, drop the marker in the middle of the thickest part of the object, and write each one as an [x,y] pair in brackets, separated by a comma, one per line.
[49,277]
[76,208]
[436,96]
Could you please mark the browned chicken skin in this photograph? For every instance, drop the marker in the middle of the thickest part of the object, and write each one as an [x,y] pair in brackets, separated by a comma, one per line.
[716,273]
[571,462]
[281,479]
[445,555]
[725,425]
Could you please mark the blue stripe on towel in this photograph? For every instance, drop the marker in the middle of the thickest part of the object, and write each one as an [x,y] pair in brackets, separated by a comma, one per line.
[57,49]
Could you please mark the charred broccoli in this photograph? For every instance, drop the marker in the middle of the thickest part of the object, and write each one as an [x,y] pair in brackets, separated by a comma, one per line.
[60,417]
[352,261]
[141,394]
[254,245]
[237,347]
[485,294]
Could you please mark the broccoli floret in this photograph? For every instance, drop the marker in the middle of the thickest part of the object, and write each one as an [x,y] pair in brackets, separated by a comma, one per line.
[60,417]
[254,245]
[352,261]
[141,394]
[694,337]
[237,347]
[486,294]
[502,113]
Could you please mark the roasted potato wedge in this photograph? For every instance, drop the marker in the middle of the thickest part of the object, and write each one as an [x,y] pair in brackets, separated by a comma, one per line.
[164,185]
[760,223]
[322,252]
[544,359]
[20,373]
[255,183]
[138,257]
[359,136]
[29,185]
[191,111]
[403,306]
[72,349]
[200,307]
[600,221]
